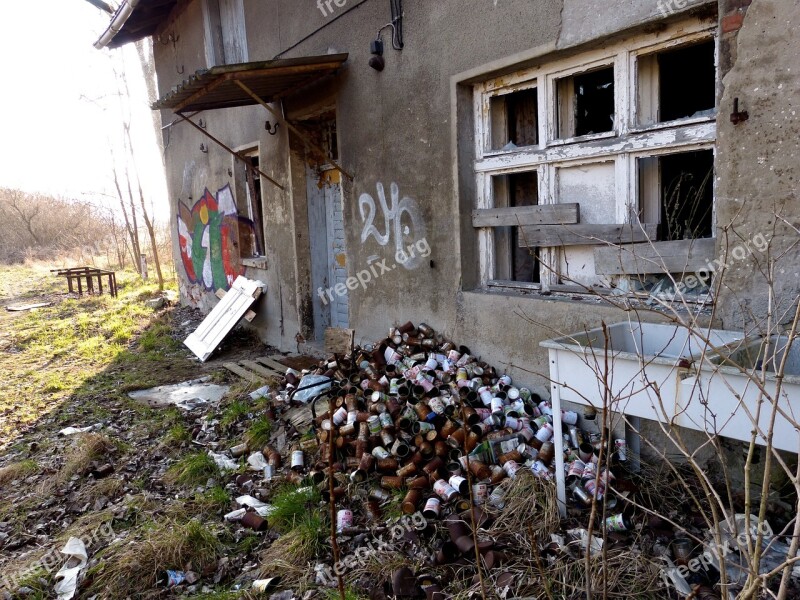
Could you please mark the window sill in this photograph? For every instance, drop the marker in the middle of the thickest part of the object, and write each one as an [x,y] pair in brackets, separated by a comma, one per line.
[577,292]
[674,124]
[259,262]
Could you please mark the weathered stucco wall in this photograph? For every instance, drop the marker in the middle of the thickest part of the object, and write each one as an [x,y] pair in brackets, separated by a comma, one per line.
[757,160]
[410,126]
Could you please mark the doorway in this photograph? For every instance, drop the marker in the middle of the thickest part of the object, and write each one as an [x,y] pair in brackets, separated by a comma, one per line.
[326,235]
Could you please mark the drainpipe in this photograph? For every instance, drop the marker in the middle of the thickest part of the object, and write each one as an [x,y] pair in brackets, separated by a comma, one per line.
[123,13]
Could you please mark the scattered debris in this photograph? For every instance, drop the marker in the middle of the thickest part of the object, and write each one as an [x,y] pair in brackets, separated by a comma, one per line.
[27,307]
[67,576]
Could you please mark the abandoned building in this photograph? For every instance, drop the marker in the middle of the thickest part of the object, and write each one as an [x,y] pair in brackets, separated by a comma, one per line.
[477,165]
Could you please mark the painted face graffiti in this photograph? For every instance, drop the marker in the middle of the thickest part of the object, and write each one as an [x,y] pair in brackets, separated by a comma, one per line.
[210,237]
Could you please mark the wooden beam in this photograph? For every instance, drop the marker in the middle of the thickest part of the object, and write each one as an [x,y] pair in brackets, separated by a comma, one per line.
[682,256]
[288,125]
[543,214]
[248,376]
[259,369]
[584,235]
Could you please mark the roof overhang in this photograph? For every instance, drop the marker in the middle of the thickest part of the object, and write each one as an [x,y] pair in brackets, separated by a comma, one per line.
[270,81]
[134,20]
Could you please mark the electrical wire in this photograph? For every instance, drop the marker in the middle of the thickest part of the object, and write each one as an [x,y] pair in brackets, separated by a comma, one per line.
[318,29]
[397,24]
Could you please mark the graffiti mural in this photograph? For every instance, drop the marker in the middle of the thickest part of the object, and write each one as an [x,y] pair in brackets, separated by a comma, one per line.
[402,221]
[213,238]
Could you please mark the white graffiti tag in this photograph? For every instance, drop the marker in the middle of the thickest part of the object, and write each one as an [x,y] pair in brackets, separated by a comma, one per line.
[402,221]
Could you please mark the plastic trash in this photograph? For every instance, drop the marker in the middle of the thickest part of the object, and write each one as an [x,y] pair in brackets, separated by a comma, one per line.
[73,430]
[304,395]
[223,462]
[262,392]
[67,576]
[257,461]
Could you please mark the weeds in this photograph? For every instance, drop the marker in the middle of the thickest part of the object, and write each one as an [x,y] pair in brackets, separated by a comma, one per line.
[193,469]
[258,434]
[86,448]
[126,570]
[18,470]
[236,410]
[291,507]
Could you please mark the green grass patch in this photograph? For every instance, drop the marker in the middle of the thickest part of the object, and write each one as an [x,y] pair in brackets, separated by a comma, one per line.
[193,469]
[258,433]
[18,470]
[292,507]
[236,410]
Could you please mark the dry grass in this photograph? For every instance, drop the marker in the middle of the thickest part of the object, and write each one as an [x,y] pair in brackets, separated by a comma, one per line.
[86,448]
[528,496]
[128,569]
[18,470]
[289,555]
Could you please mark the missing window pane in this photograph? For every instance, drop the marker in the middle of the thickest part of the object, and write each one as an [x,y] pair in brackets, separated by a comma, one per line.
[676,84]
[512,262]
[676,191]
[586,103]
[514,119]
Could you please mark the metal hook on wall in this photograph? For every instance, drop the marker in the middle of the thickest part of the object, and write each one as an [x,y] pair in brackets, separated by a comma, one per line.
[270,129]
[181,70]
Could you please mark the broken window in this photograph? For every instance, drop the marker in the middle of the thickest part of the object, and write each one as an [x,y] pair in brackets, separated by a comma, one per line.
[629,188]
[514,119]
[512,262]
[677,83]
[586,103]
[248,195]
[677,192]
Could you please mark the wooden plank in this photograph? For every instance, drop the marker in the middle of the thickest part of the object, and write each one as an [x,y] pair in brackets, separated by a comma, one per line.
[339,341]
[249,316]
[543,214]
[243,373]
[223,318]
[220,293]
[272,364]
[257,368]
[682,256]
[26,307]
[584,235]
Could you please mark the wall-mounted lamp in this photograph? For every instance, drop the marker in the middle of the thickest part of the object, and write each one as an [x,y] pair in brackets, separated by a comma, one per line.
[377,61]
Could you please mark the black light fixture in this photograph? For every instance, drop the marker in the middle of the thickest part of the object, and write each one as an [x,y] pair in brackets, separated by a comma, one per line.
[377,61]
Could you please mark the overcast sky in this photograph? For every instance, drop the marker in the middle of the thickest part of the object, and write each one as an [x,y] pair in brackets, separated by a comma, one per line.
[59,106]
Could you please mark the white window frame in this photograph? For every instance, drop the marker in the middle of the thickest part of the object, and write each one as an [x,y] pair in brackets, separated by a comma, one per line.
[624,145]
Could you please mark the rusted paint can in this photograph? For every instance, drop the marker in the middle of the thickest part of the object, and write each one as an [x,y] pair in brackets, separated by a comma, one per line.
[340,416]
[569,417]
[344,519]
[411,501]
[407,470]
[575,471]
[348,429]
[444,490]
[400,448]
[380,452]
[618,522]
[374,425]
[460,484]
[392,482]
[387,439]
[541,470]
[497,498]
[547,452]
[437,406]
[238,451]
[387,465]
[512,468]
[545,433]
[480,493]
[432,508]
[298,460]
